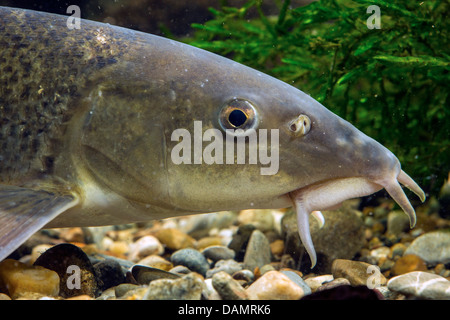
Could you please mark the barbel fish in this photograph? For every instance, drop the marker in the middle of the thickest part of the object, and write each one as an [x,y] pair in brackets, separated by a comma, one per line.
[95,121]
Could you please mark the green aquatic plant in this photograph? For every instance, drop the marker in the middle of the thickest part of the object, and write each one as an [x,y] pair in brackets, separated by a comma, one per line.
[392,82]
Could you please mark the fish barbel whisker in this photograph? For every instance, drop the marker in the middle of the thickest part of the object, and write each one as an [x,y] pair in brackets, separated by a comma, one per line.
[328,194]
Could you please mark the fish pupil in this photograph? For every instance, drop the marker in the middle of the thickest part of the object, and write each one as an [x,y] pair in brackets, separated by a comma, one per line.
[237,118]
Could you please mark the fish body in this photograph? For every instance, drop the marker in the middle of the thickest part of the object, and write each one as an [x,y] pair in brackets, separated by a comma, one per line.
[104,125]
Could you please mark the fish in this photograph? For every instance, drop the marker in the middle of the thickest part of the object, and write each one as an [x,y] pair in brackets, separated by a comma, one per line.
[103,125]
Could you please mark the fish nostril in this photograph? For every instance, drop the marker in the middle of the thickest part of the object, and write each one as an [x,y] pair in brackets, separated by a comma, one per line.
[300,126]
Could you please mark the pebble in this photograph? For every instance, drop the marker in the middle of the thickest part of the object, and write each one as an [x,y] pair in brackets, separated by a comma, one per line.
[206,242]
[263,220]
[216,253]
[37,251]
[244,276]
[408,263]
[274,285]
[240,240]
[72,235]
[17,278]
[191,259]
[381,252]
[357,272]
[258,251]
[75,270]
[144,275]
[4,297]
[189,287]
[121,289]
[156,261]
[397,250]
[228,288]
[333,284]
[397,222]
[108,274]
[201,225]
[421,284]
[433,247]
[315,282]
[297,279]
[229,266]
[277,248]
[145,246]
[175,239]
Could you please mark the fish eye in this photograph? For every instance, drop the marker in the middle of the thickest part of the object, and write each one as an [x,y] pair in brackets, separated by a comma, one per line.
[300,126]
[238,114]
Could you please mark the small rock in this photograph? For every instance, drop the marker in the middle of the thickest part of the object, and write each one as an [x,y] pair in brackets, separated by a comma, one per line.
[216,253]
[397,222]
[274,285]
[206,242]
[123,288]
[108,274]
[191,259]
[258,251]
[175,239]
[277,248]
[157,262]
[200,225]
[108,294]
[240,240]
[72,235]
[265,268]
[145,275]
[38,250]
[318,281]
[262,219]
[244,276]
[117,248]
[408,263]
[145,246]
[227,287]
[135,294]
[229,266]
[297,279]
[333,284]
[422,285]
[4,297]
[180,270]
[381,252]
[432,247]
[397,250]
[17,278]
[74,268]
[357,272]
[189,287]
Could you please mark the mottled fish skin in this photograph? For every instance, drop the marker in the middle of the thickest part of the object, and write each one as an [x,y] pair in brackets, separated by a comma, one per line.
[43,70]
[86,123]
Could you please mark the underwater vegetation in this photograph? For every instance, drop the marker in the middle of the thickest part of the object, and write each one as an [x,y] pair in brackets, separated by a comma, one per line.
[392,82]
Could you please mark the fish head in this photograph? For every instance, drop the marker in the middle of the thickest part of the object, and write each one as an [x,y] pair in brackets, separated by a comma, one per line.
[172,140]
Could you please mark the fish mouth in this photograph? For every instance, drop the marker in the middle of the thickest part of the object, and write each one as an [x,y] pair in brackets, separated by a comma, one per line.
[328,194]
